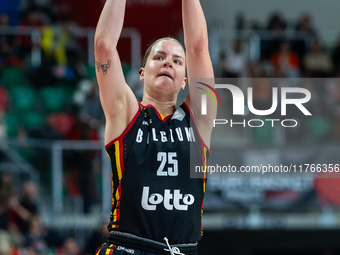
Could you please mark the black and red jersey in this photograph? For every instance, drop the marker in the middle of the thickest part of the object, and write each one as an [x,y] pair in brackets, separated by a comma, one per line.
[153,195]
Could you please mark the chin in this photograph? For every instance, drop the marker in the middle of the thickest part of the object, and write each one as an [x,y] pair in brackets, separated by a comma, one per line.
[163,84]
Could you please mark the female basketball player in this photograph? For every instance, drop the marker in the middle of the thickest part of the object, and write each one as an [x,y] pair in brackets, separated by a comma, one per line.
[156,206]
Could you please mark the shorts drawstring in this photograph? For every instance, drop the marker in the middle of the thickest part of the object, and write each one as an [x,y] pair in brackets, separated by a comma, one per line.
[173,250]
[155,247]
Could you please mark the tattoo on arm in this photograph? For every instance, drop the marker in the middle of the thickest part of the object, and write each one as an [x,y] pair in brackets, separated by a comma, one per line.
[103,67]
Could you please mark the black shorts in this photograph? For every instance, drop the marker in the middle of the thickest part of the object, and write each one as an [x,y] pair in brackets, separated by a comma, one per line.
[126,244]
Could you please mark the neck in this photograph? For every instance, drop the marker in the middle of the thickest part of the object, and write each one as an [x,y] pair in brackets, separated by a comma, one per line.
[164,107]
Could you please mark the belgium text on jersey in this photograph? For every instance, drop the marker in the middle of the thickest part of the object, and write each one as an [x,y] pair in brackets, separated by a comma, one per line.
[178,134]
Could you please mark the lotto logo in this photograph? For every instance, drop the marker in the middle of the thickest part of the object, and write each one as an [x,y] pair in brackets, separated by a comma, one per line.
[170,201]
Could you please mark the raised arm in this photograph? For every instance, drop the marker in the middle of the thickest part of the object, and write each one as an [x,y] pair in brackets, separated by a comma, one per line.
[198,64]
[118,101]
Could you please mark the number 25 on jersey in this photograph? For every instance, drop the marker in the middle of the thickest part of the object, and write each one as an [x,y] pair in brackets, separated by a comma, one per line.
[168,158]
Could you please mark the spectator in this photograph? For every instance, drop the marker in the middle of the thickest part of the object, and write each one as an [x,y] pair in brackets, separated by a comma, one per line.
[67,52]
[276,34]
[233,65]
[6,192]
[91,111]
[97,238]
[285,62]
[261,69]
[4,98]
[81,166]
[90,121]
[67,48]
[305,33]
[336,57]
[18,213]
[240,22]
[276,25]
[8,208]
[7,44]
[48,131]
[31,20]
[42,7]
[317,61]
[28,202]
[35,239]
[62,54]
[3,131]
[84,88]
[29,195]
[70,247]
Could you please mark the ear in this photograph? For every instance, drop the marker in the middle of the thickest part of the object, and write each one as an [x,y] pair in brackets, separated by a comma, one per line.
[184,82]
[141,74]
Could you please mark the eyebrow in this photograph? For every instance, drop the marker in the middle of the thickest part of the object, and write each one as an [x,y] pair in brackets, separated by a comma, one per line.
[162,52]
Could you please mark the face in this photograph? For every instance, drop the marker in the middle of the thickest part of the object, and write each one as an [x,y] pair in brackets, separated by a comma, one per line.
[164,71]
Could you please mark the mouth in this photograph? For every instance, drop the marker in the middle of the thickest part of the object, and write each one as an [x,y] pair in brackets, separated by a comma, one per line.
[166,74]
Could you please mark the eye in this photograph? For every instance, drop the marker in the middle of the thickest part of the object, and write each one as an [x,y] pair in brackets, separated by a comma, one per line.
[177,62]
[158,58]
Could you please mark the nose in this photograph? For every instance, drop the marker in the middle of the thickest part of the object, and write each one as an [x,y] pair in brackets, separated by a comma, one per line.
[167,63]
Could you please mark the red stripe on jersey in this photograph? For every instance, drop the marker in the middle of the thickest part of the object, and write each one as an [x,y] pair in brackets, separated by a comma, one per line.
[120,170]
[121,145]
[118,203]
